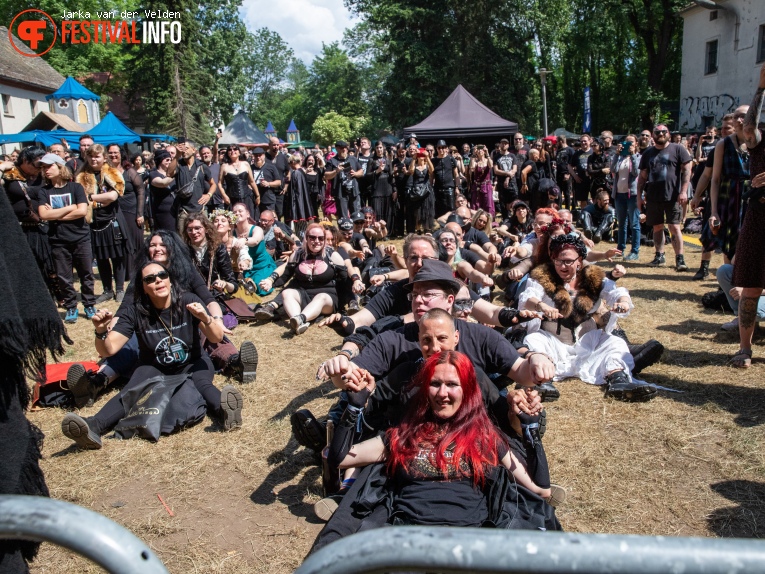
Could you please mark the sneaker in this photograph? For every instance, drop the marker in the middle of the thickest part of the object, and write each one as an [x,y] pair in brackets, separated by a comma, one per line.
[298,324]
[119,296]
[72,315]
[231,403]
[548,392]
[658,260]
[90,311]
[84,385]
[265,312]
[646,355]
[78,429]
[619,386]
[325,508]
[308,432]
[633,256]
[730,325]
[104,297]
[680,263]
[248,359]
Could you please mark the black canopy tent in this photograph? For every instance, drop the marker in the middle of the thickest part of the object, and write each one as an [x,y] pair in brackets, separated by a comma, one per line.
[462,117]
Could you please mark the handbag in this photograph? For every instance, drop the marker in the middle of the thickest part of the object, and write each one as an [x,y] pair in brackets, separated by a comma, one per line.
[419,191]
[188,190]
[239,309]
[160,405]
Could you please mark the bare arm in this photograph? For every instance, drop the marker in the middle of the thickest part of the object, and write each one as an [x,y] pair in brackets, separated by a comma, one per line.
[642,179]
[365,453]
[752,117]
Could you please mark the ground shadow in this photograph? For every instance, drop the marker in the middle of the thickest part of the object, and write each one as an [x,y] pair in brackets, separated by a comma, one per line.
[684,277]
[745,520]
[689,326]
[747,403]
[694,359]
[656,294]
[290,461]
[320,390]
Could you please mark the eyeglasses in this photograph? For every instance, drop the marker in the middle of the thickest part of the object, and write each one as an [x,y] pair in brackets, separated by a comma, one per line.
[518,139]
[565,262]
[195,228]
[266,221]
[463,304]
[149,279]
[425,297]
[659,132]
[315,237]
[645,135]
[416,258]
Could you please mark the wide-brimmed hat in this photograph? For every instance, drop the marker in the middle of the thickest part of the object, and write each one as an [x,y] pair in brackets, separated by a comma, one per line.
[436,271]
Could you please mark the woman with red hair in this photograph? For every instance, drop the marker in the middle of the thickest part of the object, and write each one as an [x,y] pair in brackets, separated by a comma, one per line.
[441,455]
[315,270]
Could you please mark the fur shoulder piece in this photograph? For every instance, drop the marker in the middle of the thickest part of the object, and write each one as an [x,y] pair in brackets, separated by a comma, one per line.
[111,178]
[590,281]
[14,174]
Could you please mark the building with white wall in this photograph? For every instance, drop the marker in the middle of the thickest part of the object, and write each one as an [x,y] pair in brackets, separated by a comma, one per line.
[24,84]
[723,50]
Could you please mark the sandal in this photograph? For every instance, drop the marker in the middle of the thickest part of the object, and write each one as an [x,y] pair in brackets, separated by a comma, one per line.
[742,359]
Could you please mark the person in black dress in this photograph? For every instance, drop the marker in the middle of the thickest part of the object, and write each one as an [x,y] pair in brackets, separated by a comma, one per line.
[381,170]
[131,204]
[313,166]
[161,188]
[236,181]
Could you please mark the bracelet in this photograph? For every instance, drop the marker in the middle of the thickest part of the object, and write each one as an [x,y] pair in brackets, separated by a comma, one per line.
[347,352]
[102,336]
[274,276]
[355,277]
[539,306]
[530,353]
[385,277]
[208,323]
[217,317]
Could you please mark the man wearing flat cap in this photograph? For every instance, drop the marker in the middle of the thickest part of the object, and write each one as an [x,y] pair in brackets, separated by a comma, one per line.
[446,175]
[344,171]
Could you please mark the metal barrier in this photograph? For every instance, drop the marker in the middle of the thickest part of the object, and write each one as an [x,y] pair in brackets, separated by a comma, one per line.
[88,533]
[484,551]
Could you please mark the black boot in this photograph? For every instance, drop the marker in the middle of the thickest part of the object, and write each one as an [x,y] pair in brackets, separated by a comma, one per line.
[703,272]
[84,385]
[548,392]
[619,386]
[244,364]
[646,354]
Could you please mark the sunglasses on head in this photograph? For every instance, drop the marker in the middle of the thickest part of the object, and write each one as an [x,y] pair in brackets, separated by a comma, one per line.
[149,279]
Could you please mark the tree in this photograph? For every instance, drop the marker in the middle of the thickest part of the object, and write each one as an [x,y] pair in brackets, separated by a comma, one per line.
[331,127]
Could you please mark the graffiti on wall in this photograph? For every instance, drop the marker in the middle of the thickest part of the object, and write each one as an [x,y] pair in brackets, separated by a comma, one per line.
[693,111]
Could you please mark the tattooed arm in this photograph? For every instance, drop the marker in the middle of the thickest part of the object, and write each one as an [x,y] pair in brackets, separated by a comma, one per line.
[685,179]
[752,118]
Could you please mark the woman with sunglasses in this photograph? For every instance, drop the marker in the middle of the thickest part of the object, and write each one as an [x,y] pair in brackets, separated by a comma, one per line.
[580,307]
[167,323]
[314,270]
[236,182]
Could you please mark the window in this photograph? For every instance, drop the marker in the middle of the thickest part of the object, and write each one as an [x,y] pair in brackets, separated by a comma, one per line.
[713,15]
[63,104]
[7,106]
[761,45]
[710,66]
[82,113]
[32,107]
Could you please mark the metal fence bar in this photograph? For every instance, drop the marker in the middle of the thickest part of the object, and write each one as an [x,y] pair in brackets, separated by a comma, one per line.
[88,533]
[484,551]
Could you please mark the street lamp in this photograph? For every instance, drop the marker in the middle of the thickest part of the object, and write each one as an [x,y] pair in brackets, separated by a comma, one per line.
[543,73]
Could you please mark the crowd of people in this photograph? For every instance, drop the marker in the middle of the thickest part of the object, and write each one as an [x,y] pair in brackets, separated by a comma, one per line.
[429,358]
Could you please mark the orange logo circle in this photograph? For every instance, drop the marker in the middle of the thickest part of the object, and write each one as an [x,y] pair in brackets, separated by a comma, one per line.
[31,31]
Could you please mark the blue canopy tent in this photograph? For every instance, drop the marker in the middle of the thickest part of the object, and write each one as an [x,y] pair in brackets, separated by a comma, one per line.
[74,90]
[44,138]
[111,130]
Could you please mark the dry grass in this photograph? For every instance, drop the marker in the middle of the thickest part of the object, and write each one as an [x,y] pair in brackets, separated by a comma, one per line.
[688,464]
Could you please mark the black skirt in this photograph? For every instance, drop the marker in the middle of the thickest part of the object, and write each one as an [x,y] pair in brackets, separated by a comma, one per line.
[38,242]
[109,239]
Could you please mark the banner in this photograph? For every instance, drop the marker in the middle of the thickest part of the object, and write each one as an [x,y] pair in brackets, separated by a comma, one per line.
[586,128]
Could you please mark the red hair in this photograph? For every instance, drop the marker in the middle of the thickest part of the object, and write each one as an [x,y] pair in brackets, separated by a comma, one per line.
[469,431]
[546,211]
[542,253]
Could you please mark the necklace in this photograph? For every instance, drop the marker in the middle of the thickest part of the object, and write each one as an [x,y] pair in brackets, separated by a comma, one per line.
[170,330]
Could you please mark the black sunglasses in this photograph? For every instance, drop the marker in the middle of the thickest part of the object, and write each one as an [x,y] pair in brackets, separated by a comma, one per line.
[661,131]
[149,279]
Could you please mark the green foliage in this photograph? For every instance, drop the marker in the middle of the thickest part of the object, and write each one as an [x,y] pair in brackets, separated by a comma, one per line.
[331,127]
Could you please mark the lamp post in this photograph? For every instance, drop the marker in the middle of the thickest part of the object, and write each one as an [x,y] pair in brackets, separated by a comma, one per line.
[543,73]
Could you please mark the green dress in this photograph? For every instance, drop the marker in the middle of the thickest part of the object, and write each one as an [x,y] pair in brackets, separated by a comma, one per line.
[262,264]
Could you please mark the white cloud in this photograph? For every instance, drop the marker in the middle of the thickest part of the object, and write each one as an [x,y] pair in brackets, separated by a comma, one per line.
[303,24]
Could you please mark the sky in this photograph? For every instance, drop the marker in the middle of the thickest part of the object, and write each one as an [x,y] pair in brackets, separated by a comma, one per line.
[303,24]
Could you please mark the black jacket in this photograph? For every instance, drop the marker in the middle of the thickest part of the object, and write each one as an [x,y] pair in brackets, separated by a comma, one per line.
[221,266]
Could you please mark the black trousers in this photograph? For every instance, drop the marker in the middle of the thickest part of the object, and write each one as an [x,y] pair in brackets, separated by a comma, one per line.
[75,256]
[202,373]
[602,226]
[444,200]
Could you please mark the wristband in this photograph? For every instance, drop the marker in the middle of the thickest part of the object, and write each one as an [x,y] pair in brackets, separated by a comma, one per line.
[274,276]
[347,352]
[217,317]
[102,336]
[355,277]
[528,354]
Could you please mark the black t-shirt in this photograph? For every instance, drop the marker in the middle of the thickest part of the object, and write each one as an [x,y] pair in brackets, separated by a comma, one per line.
[390,301]
[344,184]
[184,176]
[267,174]
[506,163]
[15,192]
[197,286]
[443,170]
[170,346]
[487,349]
[532,177]
[365,183]
[161,197]
[473,235]
[65,232]
[281,163]
[274,246]
[106,214]
[664,168]
[578,164]
[562,161]
[469,256]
